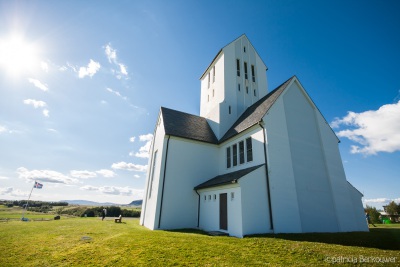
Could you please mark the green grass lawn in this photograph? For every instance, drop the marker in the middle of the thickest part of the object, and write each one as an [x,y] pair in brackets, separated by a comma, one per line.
[92,242]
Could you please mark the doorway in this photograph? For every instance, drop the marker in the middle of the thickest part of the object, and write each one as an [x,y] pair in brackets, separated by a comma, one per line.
[223,211]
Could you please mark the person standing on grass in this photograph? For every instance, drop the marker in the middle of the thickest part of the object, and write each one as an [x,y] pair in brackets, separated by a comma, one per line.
[368,219]
[103,214]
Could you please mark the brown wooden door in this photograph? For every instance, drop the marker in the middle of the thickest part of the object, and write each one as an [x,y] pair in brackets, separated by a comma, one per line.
[223,211]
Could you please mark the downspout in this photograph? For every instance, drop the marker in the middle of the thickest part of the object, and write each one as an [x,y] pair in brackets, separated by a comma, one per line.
[162,190]
[267,177]
[198,210]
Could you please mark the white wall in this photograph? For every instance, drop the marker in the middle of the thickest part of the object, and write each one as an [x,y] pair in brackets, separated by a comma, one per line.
[284,201]
[255,210]
[341,194]
[189,164]
[314,193]
[359,214]
[151,200]
[209,209]
[256,134]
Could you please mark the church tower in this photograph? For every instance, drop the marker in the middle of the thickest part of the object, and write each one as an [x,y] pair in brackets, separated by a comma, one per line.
[234,80]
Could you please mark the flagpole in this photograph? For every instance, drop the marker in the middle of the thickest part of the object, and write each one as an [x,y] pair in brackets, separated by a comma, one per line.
[26,206]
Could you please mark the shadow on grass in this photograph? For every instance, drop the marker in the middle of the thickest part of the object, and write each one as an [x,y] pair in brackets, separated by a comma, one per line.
[380,238]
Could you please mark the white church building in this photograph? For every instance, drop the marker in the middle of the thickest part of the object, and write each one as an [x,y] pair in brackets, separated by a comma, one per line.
[254,161]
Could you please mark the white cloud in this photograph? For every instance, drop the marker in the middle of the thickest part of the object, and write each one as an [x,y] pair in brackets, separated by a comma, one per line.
[136,176]
[38,84]
[90,70]
[106,173]
[144,151]
[13,192]
[123,69]
[114,190]
[111,54]
[83,174]
[132,139]
[46,112]
[3,129]
[89,188]
[146,137]
[129,166]
[116,93]
[35,103]
[44,66]
[381,200]
[47,176]
[374,130]
[3,178]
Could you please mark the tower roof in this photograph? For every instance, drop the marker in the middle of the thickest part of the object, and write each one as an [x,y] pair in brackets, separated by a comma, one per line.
[255,112]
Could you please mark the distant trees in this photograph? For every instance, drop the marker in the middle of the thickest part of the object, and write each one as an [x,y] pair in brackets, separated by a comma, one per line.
[393,208]
[393,211]
[38,206]
[373,214]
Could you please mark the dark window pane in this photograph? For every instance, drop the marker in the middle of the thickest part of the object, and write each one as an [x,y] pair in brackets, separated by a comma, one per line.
[234,148]
[241,152]
[228,157]
[249,147]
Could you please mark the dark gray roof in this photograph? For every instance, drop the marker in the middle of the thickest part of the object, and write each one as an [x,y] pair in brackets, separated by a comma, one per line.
[227,178]
[188,126]
[255,112]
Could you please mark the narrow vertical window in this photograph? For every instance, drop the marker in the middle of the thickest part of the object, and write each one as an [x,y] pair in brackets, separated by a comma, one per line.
[234,150]
[214,74]
[244,49]
[228,157]
[245,70]
[241,152]
[214,92]
[239,87]
[253,74]
[208,98]
[249,148]
[152,173]
[238,67]
[255,92]
[232,195]
[209,80]
[247,89]
[230,110]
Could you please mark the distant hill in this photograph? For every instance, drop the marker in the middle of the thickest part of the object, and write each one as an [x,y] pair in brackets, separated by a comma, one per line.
[93,203]
[89,203]
[136,203]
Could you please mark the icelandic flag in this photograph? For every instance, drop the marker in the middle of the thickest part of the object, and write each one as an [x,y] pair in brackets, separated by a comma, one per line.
[38,185]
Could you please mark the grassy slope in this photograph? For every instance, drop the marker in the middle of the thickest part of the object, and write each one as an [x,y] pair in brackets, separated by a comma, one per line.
[59,243]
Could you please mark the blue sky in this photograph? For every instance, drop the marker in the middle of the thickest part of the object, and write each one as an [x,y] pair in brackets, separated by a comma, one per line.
[81,84]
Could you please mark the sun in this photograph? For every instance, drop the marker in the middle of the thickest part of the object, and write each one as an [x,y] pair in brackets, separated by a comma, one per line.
[17,55]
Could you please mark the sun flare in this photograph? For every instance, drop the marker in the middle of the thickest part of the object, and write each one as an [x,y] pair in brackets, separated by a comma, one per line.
[17,55]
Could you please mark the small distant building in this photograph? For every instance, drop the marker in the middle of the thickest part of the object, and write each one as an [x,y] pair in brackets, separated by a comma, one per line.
[254,161]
